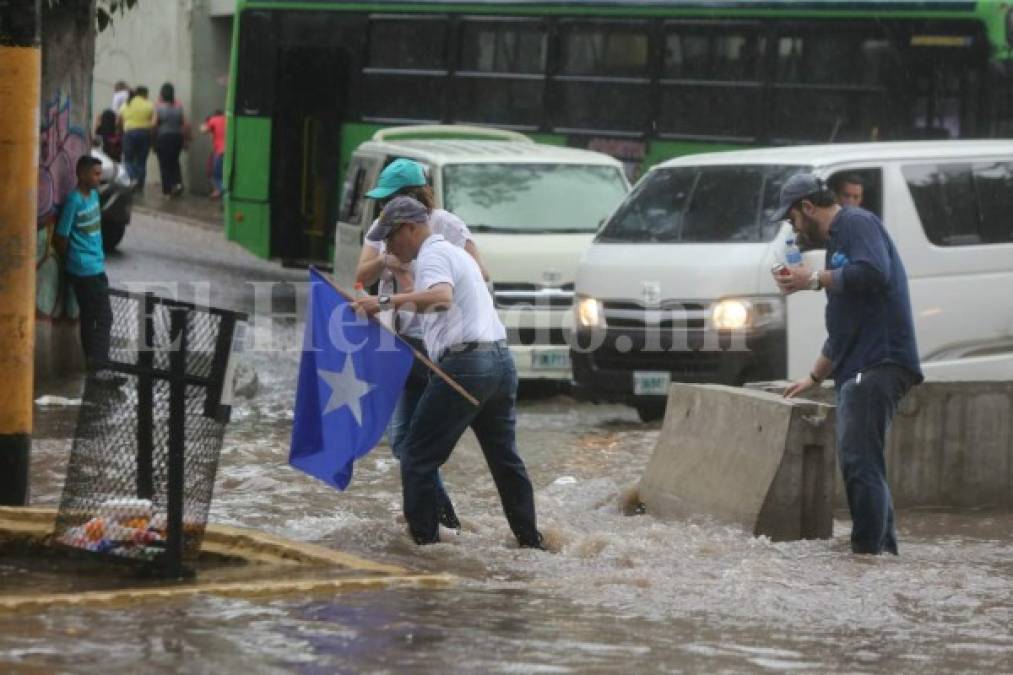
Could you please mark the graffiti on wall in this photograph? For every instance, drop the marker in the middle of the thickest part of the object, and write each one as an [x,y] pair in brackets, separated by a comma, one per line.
[61,144]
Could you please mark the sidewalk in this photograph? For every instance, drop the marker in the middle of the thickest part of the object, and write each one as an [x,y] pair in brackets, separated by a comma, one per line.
[195,209]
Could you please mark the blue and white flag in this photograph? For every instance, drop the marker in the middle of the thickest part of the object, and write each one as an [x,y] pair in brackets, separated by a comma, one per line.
[350,378]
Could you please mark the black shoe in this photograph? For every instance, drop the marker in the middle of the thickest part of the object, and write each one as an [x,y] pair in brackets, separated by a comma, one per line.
[448,518]
[538,543]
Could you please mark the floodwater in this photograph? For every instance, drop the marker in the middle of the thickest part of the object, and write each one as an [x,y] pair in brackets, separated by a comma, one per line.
[618,593]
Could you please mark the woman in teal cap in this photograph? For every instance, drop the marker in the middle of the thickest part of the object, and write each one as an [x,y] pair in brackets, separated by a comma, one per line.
[407,177]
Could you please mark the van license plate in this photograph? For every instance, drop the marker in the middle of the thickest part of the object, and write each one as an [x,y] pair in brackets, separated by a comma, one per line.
[651,383]
[556,359]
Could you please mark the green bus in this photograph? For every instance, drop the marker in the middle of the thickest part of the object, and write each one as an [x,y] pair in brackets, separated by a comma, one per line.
[642,80]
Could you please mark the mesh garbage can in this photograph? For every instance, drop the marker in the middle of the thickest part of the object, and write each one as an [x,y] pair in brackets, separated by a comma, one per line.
[149,433]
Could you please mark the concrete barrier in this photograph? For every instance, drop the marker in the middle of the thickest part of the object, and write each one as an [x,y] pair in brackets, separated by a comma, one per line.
[950,445]
[746,457]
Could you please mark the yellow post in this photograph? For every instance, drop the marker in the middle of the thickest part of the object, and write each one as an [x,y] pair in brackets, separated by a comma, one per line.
[20,73]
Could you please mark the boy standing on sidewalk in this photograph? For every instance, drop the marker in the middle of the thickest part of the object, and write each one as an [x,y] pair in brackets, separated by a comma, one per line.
[78,241]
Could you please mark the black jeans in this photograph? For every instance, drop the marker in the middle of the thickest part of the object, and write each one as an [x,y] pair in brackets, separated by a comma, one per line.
[168,146]
[96,318]
[136,145]
[865,407]
[442,416]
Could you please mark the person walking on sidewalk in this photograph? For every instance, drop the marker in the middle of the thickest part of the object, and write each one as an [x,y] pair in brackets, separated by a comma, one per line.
[870,351]
[215,126]
[465,336]
[137,118]
[78,242]
[170,139]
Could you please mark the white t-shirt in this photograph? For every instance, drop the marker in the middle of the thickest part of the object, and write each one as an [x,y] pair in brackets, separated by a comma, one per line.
[441,222]
[119,99]
[472,317]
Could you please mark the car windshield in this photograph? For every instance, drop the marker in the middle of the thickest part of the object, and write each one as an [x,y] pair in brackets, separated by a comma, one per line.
[701,204]
[532,197]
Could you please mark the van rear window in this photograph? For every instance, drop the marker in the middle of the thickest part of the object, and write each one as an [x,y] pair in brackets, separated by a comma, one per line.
[701,204]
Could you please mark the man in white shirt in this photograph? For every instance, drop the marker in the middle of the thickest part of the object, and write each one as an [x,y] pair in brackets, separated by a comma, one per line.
[464,335]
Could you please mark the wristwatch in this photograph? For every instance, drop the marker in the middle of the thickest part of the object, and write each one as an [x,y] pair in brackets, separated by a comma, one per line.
[814,281]
[385,302]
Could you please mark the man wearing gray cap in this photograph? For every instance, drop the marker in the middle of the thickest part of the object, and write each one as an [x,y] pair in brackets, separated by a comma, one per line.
[870,349]
[464,335]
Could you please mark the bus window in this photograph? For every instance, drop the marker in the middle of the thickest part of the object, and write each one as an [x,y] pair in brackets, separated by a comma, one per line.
[604,77]
[406,69]
[500,76]
[710,78]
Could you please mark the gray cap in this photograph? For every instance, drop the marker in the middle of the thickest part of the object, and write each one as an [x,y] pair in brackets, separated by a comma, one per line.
[796,188]
[398,210]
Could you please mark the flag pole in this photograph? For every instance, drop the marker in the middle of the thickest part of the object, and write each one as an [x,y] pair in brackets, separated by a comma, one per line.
[419,355]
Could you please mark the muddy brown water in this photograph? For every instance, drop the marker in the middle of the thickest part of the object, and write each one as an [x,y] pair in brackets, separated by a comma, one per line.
[624,594]
[619,593]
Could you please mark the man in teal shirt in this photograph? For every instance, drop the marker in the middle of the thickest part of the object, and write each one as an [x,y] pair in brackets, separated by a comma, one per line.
[78,241]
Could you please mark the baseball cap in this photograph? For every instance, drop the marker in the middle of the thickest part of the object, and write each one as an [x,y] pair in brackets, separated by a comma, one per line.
[398,210]
[796,188]
[398,174]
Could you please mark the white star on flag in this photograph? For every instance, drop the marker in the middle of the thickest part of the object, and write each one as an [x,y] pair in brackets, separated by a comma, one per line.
[346,389]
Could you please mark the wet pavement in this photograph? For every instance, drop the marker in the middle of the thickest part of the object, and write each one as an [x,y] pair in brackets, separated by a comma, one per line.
[619,593]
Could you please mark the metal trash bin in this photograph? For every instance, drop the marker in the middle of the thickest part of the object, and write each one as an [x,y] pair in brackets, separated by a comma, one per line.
[149,434]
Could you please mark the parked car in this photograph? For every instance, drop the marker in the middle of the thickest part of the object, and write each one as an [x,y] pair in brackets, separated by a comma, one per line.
[677,284]
[116,198]
[532,209]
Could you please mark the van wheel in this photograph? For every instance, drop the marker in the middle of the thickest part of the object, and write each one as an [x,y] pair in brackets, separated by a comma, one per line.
[651,412]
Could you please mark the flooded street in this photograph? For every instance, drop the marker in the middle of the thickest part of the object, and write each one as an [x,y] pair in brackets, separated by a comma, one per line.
[619,592]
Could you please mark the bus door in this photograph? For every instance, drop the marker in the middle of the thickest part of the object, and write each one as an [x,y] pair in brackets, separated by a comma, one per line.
[312,94]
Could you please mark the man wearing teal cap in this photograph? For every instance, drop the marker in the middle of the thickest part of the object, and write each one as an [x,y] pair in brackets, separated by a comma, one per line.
[408,177]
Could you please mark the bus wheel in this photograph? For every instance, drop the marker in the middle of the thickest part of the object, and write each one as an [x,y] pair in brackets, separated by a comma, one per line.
[650,411]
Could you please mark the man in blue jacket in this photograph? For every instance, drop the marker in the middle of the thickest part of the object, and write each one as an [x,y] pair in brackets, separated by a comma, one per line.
[870,350]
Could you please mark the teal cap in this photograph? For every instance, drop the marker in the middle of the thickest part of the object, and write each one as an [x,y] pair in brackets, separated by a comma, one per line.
[399,174]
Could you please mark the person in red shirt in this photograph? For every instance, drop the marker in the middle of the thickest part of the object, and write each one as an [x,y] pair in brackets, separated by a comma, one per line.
[215,125]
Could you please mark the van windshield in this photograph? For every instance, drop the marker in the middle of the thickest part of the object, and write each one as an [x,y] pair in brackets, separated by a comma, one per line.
[532,197]
[701,204]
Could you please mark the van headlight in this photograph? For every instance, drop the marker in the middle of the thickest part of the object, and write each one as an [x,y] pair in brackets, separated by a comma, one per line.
[742,313]
[590,312]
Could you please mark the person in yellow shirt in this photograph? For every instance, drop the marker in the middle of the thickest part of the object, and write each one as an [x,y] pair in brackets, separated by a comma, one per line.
[137,118]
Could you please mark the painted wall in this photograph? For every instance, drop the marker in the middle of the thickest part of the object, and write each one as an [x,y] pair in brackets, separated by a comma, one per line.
[149,45]
[65,117]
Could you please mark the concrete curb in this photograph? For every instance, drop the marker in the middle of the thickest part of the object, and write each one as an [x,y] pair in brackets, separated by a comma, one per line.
[266,556]
[745,457]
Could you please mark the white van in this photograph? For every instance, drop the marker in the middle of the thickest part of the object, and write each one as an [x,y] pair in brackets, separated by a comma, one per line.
[677,283]
[532,209]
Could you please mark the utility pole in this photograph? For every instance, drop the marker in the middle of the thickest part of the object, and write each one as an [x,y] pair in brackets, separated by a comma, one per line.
[20,75]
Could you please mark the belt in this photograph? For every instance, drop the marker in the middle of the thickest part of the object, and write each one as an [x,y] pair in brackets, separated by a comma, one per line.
[473,346]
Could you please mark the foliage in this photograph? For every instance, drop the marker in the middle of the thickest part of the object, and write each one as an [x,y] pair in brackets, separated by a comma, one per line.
[104,9]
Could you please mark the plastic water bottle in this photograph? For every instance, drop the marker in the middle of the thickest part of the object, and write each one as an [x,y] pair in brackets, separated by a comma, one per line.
[360,290]
[792,253]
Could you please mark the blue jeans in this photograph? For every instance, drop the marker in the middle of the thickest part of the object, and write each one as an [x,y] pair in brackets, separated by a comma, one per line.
[400,421]
[441,418]
[136,146]
[217,172]
[864,411]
